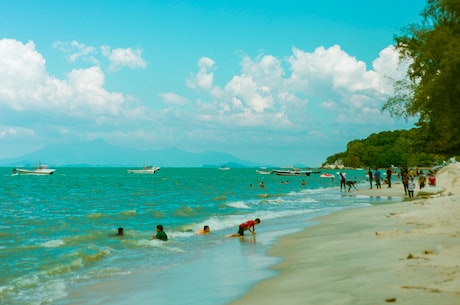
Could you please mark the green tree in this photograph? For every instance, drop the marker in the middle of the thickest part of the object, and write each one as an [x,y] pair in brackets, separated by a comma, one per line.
[432,89]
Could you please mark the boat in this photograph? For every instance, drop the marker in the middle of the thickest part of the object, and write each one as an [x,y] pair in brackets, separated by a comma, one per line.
[39,170]
[145,170]
[326,175]
[263,172]
[224,168]
[293,172]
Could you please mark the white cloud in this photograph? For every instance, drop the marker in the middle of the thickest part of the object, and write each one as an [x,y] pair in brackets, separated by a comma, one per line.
[204,78]
[77,50]
[120,58]
[263,93]
[172,98]
[26,86]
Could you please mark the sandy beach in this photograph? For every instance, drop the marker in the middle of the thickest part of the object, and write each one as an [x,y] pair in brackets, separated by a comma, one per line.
[403,253]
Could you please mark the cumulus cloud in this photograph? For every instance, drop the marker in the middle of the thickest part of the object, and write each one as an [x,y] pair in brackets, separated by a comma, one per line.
[327,78]
[120,58]
[25,85]
[204,78]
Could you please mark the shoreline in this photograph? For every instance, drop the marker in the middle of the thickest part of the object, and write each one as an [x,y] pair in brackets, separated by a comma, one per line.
[406,253]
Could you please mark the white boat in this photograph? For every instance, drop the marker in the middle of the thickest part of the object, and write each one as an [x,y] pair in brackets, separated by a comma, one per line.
[145,170]
[39,170]
[263,172]
[224,168]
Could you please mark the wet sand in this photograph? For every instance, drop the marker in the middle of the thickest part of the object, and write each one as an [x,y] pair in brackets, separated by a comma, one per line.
[403,253]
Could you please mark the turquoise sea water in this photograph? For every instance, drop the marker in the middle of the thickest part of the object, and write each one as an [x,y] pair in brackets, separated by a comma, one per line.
[58,242]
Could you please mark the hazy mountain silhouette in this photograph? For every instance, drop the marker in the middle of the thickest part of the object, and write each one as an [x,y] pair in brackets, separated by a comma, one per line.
[100,153]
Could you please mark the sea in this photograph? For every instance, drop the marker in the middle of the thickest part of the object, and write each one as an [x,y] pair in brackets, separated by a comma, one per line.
[59,242]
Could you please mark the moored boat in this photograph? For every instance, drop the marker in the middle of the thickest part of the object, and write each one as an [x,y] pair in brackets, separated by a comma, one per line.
[39,170]
[293,172]
[263,172]
[145,170]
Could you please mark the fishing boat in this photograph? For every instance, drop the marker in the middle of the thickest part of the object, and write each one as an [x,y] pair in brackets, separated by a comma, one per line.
[145,170]
[39,170]
[293,172]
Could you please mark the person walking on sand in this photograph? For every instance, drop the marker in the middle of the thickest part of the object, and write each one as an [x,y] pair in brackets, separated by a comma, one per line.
[248,225]
[378,177]
[405,179]
[389,176]
[422,180]
[161,234]
[371,177]
[411,187]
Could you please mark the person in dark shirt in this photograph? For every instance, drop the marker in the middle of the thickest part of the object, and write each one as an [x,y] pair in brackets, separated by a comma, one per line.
[161,234]
[389,176]
[371,177]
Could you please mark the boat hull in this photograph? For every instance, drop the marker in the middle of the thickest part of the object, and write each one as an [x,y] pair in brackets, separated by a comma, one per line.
[150,171]
[293,172]
[38,172]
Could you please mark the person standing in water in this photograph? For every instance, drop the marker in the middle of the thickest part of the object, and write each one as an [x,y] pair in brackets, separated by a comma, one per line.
[371,177]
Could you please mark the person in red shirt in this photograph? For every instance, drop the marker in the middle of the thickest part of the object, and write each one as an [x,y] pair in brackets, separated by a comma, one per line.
[248,225]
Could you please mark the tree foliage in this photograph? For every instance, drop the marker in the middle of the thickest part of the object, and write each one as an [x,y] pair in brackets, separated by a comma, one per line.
[432,89]
[388,148]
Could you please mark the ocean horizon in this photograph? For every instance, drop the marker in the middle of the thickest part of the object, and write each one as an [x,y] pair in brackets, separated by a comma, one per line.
[59,240]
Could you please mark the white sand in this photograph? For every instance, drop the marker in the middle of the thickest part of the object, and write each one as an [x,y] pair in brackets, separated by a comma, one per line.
[403,253]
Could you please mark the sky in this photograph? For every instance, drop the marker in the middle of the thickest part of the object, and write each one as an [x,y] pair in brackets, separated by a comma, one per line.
[276,82]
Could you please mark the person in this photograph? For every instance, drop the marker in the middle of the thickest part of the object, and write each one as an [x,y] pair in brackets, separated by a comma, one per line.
[303,182]
[432,179]
[389,176]
[411,187]
[405,178]
[378,177]
[351,184]
[121,232]
[205,230]
[343,181]
[262,185]
[248,225]
[369,174]
[422,180]
[161,234]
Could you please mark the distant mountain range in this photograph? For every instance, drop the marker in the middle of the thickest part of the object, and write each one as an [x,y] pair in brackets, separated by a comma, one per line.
[100,153]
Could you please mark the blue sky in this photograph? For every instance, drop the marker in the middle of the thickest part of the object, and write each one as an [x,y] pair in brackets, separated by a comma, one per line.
[279,82]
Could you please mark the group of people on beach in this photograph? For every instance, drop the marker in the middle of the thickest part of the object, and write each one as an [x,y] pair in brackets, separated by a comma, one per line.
[407,179]
[245,226]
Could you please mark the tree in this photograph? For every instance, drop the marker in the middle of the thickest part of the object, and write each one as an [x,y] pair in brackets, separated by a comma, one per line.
[432,89]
